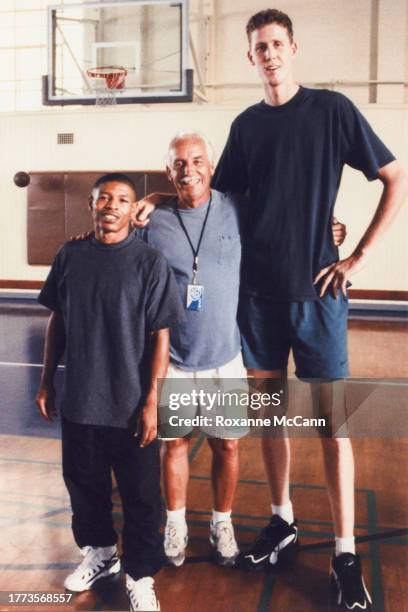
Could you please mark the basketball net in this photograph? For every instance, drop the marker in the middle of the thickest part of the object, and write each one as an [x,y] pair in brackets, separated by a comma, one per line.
[107,82]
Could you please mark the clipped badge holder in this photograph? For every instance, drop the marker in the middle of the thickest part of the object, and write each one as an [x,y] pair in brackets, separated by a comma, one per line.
[195,295]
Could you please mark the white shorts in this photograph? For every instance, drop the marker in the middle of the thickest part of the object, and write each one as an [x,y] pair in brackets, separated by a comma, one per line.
[230,379]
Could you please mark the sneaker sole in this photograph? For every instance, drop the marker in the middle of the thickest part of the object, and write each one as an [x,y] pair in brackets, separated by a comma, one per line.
[225,561]
[176,561]
[220,559]
[286,558]
[335,591]
[132,609]
[110,574]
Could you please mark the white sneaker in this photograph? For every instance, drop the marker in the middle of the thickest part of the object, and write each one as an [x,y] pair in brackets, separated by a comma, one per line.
[99,562]
[141,594]
[223,539]
[175,542]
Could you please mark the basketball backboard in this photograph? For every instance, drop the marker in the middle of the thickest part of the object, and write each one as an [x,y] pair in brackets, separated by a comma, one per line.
[148,38]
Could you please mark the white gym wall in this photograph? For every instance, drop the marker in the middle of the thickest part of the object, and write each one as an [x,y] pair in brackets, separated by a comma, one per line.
[335,44]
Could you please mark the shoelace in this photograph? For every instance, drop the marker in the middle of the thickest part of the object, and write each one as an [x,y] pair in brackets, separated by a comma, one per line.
[90,558]
[266,535]
[225,538]
[174,538]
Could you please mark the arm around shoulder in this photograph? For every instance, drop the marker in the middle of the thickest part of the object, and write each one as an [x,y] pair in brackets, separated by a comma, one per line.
[147,205]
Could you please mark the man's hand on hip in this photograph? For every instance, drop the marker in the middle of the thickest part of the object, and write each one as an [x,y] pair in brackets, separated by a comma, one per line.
[337,274]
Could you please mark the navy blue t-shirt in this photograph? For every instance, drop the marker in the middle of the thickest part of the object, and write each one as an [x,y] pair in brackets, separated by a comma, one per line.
[289,159]
[111,297]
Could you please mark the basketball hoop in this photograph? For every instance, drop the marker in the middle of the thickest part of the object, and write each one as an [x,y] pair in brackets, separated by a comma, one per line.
[107,82]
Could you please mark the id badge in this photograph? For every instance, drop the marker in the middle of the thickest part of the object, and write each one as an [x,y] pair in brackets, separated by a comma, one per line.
[195,295]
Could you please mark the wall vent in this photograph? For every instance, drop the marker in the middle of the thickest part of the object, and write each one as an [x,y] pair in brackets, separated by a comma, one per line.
[65,138]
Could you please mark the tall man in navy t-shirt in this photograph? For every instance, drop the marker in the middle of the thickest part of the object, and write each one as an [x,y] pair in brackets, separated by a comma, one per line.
[288,152]
[113,299]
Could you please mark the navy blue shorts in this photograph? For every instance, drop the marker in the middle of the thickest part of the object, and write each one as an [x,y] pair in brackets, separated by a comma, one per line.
[315,330]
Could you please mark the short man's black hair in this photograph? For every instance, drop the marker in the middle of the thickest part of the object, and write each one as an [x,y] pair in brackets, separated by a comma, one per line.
[266,17]
[115,177]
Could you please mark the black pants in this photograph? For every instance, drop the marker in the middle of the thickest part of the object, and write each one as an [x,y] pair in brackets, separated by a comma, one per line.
[88,455]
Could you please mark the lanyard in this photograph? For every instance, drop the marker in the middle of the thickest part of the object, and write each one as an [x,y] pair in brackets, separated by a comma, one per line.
[195,251]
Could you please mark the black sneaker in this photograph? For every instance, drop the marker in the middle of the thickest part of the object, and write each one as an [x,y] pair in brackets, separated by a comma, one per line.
[348,583]
[276,543]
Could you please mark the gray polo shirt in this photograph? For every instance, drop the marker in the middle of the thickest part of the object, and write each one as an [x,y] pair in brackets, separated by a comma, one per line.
[208,338]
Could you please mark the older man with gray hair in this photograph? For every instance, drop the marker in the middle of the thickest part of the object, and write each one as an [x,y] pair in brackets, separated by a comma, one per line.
[198,232]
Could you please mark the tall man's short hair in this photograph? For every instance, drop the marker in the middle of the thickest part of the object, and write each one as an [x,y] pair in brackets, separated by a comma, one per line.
[269,16]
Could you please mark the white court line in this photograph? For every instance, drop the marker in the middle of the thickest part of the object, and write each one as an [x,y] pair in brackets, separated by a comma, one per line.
[26,365]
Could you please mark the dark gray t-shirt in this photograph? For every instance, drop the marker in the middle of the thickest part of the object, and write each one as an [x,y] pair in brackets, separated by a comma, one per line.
[289,159]
[209,338]
[111,297]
